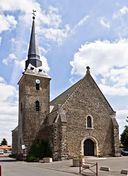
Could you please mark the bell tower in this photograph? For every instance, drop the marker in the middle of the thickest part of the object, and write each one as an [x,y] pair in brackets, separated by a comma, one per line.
[34,96]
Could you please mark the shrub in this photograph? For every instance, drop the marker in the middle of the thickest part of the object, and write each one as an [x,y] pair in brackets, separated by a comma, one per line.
[12,155]
[31,158]
[39,149]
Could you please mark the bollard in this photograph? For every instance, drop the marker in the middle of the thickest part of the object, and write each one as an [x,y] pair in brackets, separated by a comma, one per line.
[96,169]
[0,171]
[104,168]
[124,172]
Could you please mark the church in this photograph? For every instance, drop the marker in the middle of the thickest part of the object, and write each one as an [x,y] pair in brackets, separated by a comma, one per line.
[80,121]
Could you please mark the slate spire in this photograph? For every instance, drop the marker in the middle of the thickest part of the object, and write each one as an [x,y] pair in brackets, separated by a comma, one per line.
[33,53]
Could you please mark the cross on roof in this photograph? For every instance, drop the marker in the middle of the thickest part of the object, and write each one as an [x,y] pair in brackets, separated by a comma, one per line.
[33,13]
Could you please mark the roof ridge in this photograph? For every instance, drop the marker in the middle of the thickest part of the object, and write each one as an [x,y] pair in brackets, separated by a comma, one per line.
[101,92]
[73,91]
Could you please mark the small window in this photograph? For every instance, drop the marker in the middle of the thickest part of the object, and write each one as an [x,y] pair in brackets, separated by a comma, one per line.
[89,122]
[37,103]
[37,86]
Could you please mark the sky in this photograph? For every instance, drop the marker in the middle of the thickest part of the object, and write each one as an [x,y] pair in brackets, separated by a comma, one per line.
[71,34]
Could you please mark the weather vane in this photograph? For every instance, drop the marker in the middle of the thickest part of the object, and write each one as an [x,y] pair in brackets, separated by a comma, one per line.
[33,13]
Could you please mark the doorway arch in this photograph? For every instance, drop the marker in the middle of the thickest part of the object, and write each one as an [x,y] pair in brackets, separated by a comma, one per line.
[89,147]
[89,142]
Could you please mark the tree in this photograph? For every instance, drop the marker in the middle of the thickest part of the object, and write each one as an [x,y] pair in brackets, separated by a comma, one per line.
[4,142]
[124,136]
[127,119]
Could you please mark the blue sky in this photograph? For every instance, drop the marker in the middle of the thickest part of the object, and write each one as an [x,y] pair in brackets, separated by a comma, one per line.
[71,35]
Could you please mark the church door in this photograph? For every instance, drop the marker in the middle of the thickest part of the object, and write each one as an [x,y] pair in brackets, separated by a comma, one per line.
[88,147]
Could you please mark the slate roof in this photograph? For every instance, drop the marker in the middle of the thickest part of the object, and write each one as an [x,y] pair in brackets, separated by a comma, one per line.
[33,49]
[64,96]
[33,53]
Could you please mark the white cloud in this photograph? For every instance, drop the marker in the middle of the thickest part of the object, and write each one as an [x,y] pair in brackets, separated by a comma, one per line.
[20,64]
[2,80]
[8,110]
[45,66]
[42,51]
[52,17]
[82,21]
[26,6]
[121,12]
[58,35]
[12,59]
[124,10]
[49,20]
[104,22]
[7,22]
[6,91]
[114,90]
[107,60]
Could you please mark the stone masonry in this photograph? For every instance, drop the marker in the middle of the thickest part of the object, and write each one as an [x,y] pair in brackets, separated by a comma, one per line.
[30,119]
[80,121]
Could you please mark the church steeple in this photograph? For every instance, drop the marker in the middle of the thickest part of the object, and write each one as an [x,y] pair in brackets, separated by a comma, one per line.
[33,53]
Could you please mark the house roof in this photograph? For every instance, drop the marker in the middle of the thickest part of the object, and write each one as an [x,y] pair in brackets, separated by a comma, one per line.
[5,147]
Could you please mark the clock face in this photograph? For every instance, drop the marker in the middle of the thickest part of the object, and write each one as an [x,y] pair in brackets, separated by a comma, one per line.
[37,81]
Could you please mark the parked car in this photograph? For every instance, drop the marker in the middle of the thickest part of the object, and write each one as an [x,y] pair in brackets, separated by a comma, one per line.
[1,151]
[124,152]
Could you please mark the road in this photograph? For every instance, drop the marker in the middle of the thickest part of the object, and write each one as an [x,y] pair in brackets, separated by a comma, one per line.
[19,168]
[11,167]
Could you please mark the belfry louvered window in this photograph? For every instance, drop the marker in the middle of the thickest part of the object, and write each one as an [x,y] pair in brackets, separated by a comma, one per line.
[37,86]
[37,104]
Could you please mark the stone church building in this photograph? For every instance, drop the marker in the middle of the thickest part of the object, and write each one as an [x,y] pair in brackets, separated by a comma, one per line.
[80,121]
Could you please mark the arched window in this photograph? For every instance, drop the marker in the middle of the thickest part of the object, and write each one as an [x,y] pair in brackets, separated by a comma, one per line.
[37,103]
[89,123]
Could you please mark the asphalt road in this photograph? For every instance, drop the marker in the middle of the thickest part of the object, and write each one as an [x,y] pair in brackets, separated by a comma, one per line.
[18,168]
[11,167]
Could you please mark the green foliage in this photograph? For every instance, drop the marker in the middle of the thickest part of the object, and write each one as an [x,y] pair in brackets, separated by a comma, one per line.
[127,119]
[4,142]
[12,155]
[39,149]
[31,158]
[124,137]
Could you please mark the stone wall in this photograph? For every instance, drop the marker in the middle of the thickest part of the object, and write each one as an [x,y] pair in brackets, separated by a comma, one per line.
[14,141]
[88,100]
[30,120]
[66,127]
[117,151]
